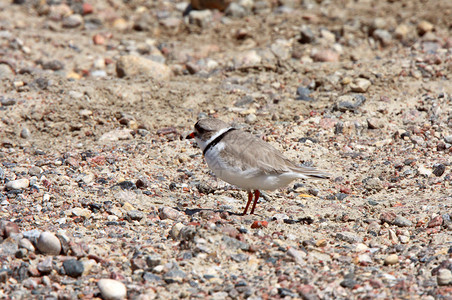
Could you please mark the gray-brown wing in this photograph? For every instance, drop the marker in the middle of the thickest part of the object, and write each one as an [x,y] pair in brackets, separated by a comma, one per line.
[247,152]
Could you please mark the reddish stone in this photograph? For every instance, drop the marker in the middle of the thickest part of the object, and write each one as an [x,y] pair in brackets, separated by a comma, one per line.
[7,228]
[259,224]
[388,217]
[436,221]
[98,39]
[87,9]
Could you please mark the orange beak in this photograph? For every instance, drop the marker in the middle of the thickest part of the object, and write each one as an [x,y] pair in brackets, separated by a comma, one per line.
[190,136]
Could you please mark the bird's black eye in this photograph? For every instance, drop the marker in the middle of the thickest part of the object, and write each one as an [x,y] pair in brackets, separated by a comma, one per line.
[199,128]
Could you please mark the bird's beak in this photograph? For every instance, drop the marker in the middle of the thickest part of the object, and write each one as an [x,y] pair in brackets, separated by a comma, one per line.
[190,136]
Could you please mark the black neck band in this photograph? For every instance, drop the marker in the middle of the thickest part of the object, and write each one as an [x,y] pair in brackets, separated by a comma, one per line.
[216,140]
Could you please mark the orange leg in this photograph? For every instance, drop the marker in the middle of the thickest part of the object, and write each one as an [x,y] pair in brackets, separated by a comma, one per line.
[256,197]
[250,197]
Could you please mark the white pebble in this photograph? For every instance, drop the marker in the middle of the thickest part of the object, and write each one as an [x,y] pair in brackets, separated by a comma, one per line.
[48,243]
[112,289]
[18,184]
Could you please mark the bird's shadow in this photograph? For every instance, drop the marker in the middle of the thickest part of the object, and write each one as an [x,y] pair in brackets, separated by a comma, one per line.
[192,211]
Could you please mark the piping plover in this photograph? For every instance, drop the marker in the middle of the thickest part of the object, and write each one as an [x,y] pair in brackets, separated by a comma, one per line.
[240,158]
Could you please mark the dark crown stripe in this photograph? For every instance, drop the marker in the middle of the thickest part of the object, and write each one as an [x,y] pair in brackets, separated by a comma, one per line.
[216,140]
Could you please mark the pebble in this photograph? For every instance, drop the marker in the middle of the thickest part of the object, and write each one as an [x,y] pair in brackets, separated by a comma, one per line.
[174,275]
[116,135]
[444,277]
[135,215]
[375,123]
[72,21]
[383,36]
[132,65]
[423,27]
[201,18]
[235,10]
[439,169]
[325,55]
[81,212]
[45,266]
[298,256]
[391,259]
[6,72]
[360,85]
[175,230]
[402,222]
[436,221]
[401,32]
[250,119]
[54,65]
[169,213]
[373,183]
[26,244]
[349,237]
[306,35]
[18,184]
[448,139]
[349,102]
[49,244]
[303,93]
[73,267]
[8,228]
[111,289]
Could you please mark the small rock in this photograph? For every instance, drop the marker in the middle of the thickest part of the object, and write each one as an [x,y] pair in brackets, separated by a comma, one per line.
[402,222]
[131,65]
[235,10]
[72,21]
[423,171]
[35,171]
[439,169]
[81,212]
[349,102]
[298,256]
[26,244]
[174,275]
[373,183]
[8,246]
[391,259]
[8,228]
[49,244]
[360,85]
[401,32]
[306,35]
[448,139]
[375,123]
[436,221]
[304,94]
[18,184]
[175,230]
[169,213]
[250,119]
[348,237]
[6,72]
[259,224]
[388,217]
[45,266]
[444,277]
[116,135]
[423,27]
[73,267]
[112,289]
[53,65]
[135,215]
[325,56]
[383,36]
[201,18]
[25,133]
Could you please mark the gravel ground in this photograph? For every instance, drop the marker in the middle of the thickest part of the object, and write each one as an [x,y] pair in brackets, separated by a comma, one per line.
[102,197]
